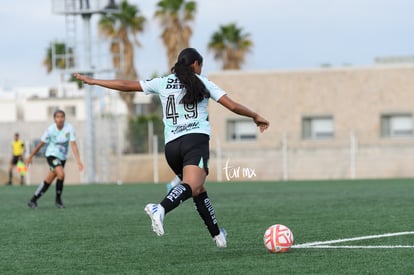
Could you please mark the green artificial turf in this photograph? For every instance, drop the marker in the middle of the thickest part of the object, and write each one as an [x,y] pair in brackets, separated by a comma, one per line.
[104,230]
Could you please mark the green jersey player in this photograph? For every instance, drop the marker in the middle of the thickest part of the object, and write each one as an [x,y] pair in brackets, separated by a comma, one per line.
[57,136]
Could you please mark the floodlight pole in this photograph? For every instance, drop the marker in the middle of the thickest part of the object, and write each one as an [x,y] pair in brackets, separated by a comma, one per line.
[90,125]
[71,8]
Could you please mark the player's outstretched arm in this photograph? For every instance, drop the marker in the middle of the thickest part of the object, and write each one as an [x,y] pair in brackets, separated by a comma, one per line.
[115,84]
[242,110]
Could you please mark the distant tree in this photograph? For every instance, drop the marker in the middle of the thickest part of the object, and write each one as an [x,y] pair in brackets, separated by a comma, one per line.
[138,133]
[174,17]
[230,45]
[119,27]
[58,56]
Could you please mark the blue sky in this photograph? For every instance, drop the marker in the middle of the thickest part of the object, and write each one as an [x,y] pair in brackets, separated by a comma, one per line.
[288,34]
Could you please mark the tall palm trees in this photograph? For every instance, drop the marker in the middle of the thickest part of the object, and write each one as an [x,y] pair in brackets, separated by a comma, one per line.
[230,45]
[174,16]
[118,27]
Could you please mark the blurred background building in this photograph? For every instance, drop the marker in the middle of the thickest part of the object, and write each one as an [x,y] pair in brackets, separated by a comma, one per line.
[326,123]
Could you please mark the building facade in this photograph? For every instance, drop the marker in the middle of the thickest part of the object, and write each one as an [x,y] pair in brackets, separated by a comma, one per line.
[326,123]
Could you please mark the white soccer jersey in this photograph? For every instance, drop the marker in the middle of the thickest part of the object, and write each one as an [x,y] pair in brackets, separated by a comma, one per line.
[58,140]
[181,119]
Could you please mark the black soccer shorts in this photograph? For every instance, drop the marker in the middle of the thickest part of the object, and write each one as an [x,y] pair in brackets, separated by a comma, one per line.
[190,149]
[55,162]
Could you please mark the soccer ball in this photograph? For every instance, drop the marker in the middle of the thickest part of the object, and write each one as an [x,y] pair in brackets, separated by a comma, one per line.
[278,238]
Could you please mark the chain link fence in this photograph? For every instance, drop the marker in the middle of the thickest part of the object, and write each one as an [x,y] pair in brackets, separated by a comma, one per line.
[346,155]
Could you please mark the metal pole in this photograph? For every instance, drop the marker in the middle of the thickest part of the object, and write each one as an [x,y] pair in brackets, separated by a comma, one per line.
[150,127]
[26,155]
[90,127]
[352,155]
[218,161]
[285,157]
[155,156]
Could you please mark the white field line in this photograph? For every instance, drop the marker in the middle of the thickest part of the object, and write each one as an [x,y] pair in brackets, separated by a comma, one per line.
[314,244]
[358,246]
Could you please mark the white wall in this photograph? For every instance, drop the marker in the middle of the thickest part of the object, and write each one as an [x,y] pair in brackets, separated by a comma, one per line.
[8,110]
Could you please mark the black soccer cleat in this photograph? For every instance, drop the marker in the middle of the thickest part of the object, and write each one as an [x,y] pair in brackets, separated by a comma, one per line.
[59,203]
[32,204]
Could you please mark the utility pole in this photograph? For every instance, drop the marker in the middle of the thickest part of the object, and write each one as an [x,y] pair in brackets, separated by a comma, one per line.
[86,8]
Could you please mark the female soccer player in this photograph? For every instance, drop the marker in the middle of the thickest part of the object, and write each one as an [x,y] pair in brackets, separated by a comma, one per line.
[184,96]
[57,136]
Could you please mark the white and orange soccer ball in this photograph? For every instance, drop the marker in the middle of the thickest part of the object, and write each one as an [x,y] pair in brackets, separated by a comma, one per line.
[278,238]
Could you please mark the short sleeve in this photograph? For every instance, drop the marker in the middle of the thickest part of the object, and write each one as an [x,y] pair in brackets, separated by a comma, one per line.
[45,137]
[215,91]
[72,136]
[151,86]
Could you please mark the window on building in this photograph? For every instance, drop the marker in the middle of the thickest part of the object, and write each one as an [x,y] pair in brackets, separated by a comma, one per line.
[317,127]
[396,125]
[42,151]
[51,110]
[53,92]
[70,110]
[241,130]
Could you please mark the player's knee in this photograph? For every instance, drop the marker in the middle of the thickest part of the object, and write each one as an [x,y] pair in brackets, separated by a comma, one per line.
[196,191]
[60,176]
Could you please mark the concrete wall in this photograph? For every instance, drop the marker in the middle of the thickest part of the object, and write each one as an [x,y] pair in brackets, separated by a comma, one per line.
[355,98]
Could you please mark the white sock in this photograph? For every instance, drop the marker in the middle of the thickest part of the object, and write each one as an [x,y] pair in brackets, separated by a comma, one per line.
[39,188]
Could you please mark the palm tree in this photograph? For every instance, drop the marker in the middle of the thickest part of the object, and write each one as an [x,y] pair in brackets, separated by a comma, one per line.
[230,45]
[174,16]
[118,27]
[58,56]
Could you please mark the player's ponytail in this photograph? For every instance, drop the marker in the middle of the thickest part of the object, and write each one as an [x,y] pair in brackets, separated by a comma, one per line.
[195,90]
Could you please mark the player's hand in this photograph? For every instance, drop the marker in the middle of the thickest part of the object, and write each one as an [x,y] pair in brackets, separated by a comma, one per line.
[83,78]
[262,123]
[80,166]
[28,161]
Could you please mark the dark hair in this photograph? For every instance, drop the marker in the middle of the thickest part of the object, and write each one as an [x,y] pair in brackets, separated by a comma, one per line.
[58,111]
[195,90]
